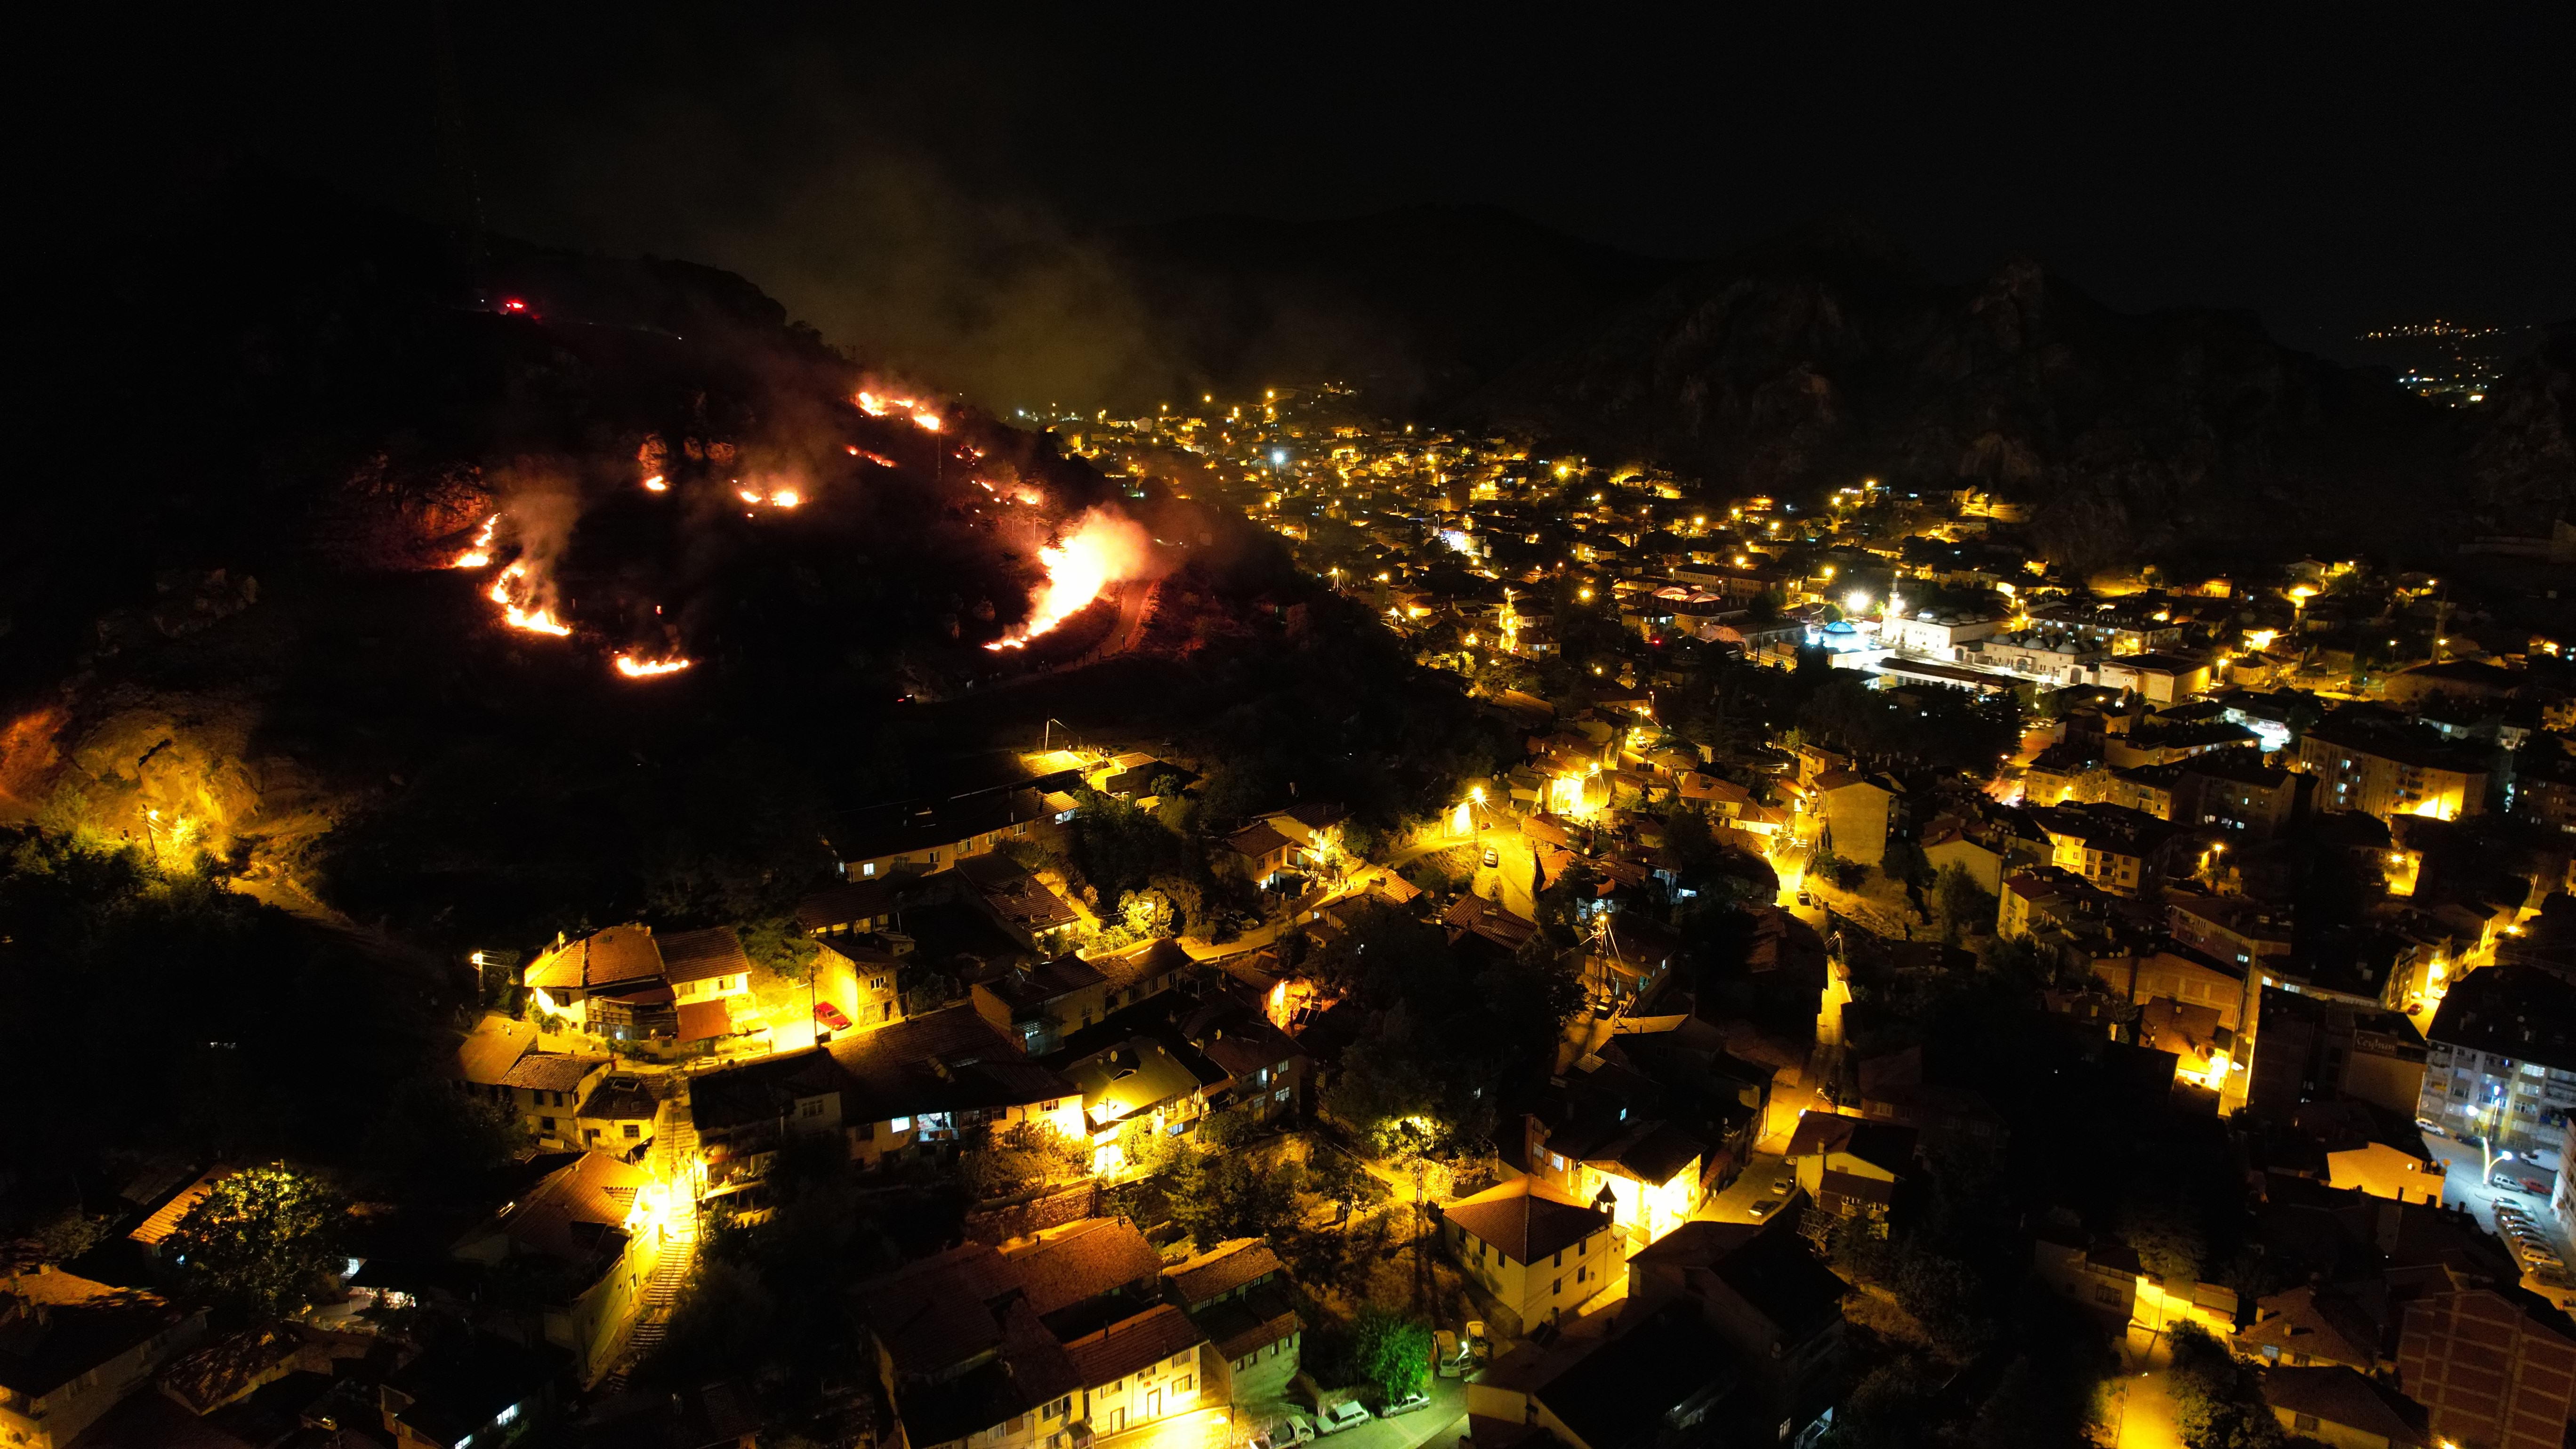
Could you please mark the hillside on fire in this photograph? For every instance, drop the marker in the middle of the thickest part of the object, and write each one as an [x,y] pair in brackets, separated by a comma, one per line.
[449,590]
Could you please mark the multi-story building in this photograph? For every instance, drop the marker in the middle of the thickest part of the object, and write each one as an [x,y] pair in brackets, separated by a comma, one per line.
[2367,760]
[2500,1060]
[2490,1372]
[1532,1250]
[71,1348]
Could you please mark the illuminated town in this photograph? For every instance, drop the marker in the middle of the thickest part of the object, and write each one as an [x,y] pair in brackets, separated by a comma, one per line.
[1594,830]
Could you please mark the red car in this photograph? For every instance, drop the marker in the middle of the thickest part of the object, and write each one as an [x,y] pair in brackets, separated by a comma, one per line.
[829,1017]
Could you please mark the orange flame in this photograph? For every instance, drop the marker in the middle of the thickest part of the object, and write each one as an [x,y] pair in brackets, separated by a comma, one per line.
[634,668]
[514,591]
[655,484]
[479,552]
[785,498]
[1102,549]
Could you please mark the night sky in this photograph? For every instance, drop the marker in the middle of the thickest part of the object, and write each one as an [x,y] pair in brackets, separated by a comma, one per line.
[2329,172]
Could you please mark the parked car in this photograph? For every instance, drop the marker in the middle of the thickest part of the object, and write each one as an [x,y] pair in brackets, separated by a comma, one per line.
[2534,1186]
[2507,1184]
[1781,1185]
[1405,1405]
[1290,1431]
[1806,898]
[830,1017]
[1344,1415]
[2429,1125]
[1766,1207]
[1493,857]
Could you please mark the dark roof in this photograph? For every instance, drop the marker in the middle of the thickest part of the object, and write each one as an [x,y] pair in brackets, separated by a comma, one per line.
[1651,1151]
[2338,1395]
[2524,1012]
[620,1099]
[1137,1343]
[942,1062]
[1526,1219]
[1160,957]
[1624,1394]
[1085,1261]
[81,1325]
[603,958]
[1256,841]
[850,902]
[941,1311]
[702,955]
[1221,1269]
[762,1091]
[1256,1320]
[545,1073]
[465,1382]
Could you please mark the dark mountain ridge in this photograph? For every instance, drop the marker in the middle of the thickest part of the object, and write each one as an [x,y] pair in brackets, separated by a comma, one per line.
[1826,357]
[1419,304]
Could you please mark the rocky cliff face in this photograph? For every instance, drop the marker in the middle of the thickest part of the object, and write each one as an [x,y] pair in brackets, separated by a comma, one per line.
[1830,358]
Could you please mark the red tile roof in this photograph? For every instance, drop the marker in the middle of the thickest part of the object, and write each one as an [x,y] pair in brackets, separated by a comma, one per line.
[1527,1219]
[702,955]
[1093,1258]
[1133,1345]
[1221,1270]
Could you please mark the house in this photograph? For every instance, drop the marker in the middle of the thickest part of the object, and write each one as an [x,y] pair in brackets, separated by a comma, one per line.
[965,1356]
[547,1091]
[1140,972]
[1086,1275]
[1018,902]
[1774,1305]
[1659,1377]
[962,1358]
[1142,1080]
[2311,1325]
[1237,1293]
[1627,959]
[1945,1113]
[1860,811]
[1256,853]
[1532,1251]
[944,1078]
[606,984]
[914,838]
[2100,1275]
[1489,921]
[71,1348]
[1042,1002]
[742,1115]
[2345,1409]
[598,1227]
[617,1117]
[2125,852]
[156,1228]
[2231,928]
[1139,1371]
[2492,1369]
[1265,1071]
[1849,1167]
[477,1387]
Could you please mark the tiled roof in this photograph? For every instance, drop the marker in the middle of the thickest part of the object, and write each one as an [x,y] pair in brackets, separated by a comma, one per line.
[547,1073]
[564,1216]
[1258,1319]
[156,1228]
[1135,1344]
[620,953]
[86,1325]
[1161,957]
[937,1313]
[1526,1219]
[2340,1396]
[942,1062]
[701,1020]
[1088,1260]
[703,955]
[494,1045]
[1221,1269]
[1256,841]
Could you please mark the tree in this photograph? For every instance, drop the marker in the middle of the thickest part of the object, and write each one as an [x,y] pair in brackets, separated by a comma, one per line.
[1338,1178]
[262,1240]
[778,943]
[432,1134]
[2218,1402]
[1021,1156]
[1890,1408]
[1966,908]
[1216,1197]
[1390,1353]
